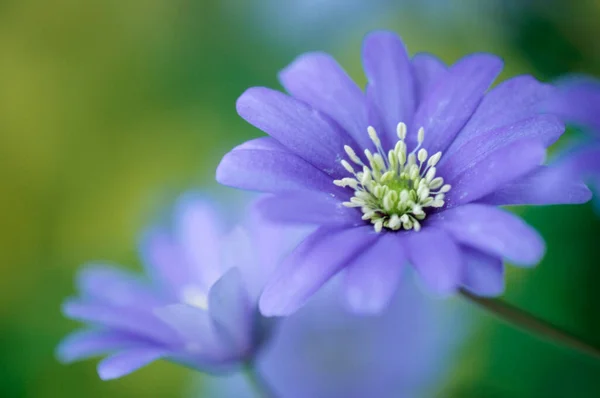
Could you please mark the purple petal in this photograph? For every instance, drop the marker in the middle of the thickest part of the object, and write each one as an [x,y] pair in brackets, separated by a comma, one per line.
[275,169]
[116,287]
[452,102]
[372,279]
[196,330]
[543,128]
[318,80]
[123,319]
[493,231]
[546,185]
[581,163]
[164,260]
[483,274]
[198,230]
[428,70]
[240,252]
[89,343]
[511,101]
[436,258]
[307,208]
[126,362]
[269,243]
[231,310]
[577,101]
[297,126]
[497,169]
[391,85]
[310,265]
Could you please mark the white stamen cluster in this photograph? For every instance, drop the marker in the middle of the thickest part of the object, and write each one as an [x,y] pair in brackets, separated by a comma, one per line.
[393,190]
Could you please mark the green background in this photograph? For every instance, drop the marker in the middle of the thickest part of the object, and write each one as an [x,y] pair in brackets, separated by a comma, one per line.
[109,109]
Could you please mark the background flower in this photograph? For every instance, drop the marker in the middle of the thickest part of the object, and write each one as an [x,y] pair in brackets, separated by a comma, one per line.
[444,154]
[199,307]
[323,351]
[578,103]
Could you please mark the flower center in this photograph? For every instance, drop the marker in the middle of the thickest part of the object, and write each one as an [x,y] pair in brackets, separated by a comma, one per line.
[394,190]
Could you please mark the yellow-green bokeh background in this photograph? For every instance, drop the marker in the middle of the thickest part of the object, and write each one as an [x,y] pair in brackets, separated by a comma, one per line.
[109,109]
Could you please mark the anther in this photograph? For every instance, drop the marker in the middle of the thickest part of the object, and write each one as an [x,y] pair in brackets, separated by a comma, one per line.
[421,136]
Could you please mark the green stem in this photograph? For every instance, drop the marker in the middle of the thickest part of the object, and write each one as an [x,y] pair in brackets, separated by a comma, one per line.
[528,322]
[258,383]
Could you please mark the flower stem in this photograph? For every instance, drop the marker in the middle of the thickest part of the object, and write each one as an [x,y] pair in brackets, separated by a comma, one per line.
[528,322]
[258,383]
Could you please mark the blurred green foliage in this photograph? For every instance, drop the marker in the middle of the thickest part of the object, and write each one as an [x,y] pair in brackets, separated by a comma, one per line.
[109,109]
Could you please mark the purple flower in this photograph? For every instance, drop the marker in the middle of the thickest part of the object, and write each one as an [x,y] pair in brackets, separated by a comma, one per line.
[411,171]
[578,102]
[324,351]
[196,305]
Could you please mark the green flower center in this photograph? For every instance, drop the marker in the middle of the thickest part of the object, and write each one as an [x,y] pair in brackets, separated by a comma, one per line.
[394,189]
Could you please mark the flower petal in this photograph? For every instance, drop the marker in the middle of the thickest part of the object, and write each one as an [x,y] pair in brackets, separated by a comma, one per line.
[89,343]
[543,128]
[267,243]
[511,101]
[164,260]
[483,274]
[126,362]
[199,229]
[307,208]
[113,286]
[493,231]
[303,130]
[317,79]
[436,258]
[196,331]
[320,256]
[428,71]
[497,169]
[231,310]
[582,162]
[577,101]
[546,185]
[391,85]
[123,319]
[274,170]
[372,279]
[452,102]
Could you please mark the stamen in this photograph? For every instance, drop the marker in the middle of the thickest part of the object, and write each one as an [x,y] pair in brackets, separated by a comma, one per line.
[347,167]
[352,155]
[373,136]
[421,136]
[401,131]
[394,189]
[422,155]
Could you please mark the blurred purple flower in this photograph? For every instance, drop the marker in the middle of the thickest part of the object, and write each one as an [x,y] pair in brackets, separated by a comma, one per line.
[198,306]
[412,171]
[324,351]
[578,103]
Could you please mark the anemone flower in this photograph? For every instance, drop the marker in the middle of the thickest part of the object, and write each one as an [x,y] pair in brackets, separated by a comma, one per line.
[410,171]
[196,305]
